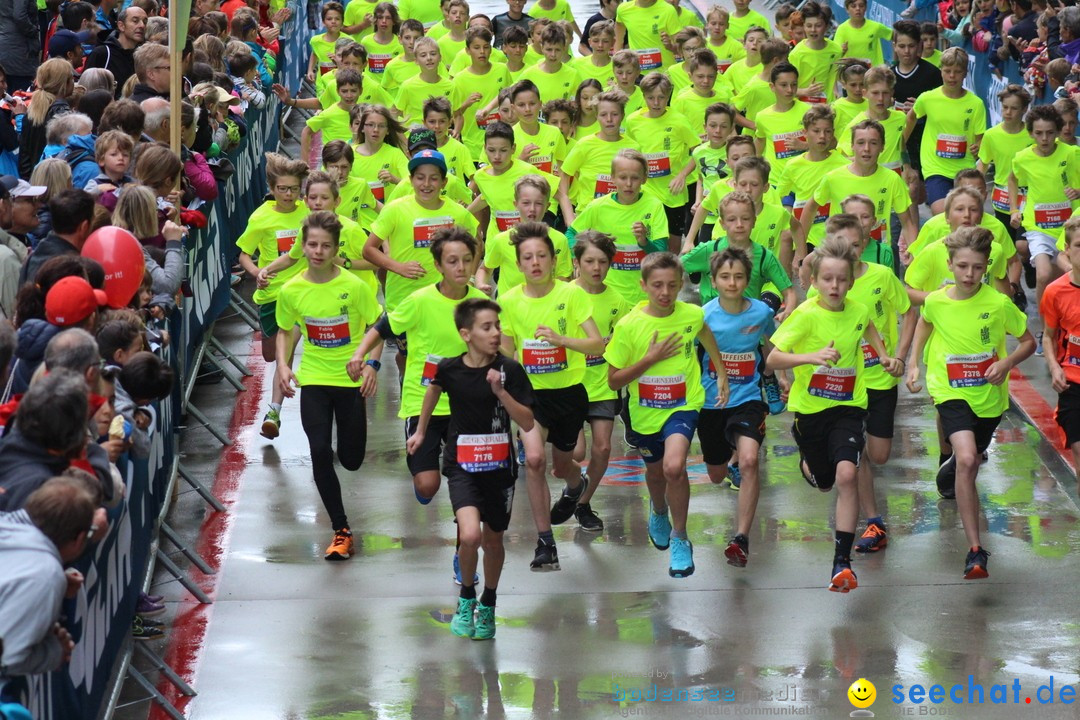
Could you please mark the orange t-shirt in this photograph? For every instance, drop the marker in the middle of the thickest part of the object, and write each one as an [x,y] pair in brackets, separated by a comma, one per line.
[1060,308]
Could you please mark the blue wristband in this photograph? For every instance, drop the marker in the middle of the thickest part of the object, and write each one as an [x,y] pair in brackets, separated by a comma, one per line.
[374,363]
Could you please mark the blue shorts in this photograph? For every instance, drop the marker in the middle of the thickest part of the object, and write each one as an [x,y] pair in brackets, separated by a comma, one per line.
[651,447]
[937,187]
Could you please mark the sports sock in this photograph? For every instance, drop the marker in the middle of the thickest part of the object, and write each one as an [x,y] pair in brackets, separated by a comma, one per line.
[547,537]
[487,599]
[468,592]
[844,541]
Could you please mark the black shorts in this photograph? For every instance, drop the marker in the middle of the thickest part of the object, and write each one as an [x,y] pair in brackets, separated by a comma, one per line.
[1068,413]
[957,416]
[676,219]
[719,430]
[562,413]
[430,452]
[827,438]
[491,494]
[881,412]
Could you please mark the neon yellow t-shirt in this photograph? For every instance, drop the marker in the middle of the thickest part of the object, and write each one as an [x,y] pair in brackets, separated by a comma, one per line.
[952,127]
[692,106]
[666,142]
[604,74]
[930,268]
[1046,208]
[802,176]
[355,12]
[499,253]
[552,145]
[322,49]
[564,310]
[560,11]
[609,308]
[589,164]
[884,296]
[462,60]
[459,160]
[845,110]
[643,27]
[739,74]
[449,48]
[934,58]
[670,386]
[498,193]
[817,66]
[350,246]
[809,328]
[779,130]
[367,167]
[407,228]
[607,215]
[379,56]
[396,72]
[332,316]
[756,95]
[998,148]
[886,188]
[680,80]
[414,93]
[333,123]
[456,190]
[425,11]
[937,228]
[968,337]
[864,43]
[427,316]
[270,234]
[737,26]
[357,202]
[727,52]
[488,85]
[893,125]
[554,86]
[370,94]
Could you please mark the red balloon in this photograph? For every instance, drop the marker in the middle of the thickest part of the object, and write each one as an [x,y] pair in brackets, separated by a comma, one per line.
[120,253]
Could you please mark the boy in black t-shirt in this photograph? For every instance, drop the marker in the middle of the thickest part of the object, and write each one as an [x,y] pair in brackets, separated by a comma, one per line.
[487,391]
[914,76]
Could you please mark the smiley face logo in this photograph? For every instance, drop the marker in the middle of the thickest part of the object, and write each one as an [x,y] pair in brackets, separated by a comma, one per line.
[862,693]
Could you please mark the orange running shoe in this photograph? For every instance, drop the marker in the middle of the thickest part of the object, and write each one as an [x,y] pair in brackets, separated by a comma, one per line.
[341,547]
[873,539]
[843,578]
[975,566]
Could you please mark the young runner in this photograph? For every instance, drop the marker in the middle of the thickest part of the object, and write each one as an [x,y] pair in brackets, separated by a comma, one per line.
[486,392]
[727,49]
[586,100]
[542,144]
[816,56]
[335,122]
[711,155]
[548,326]
[332,309]
[852,78]
[650,27]
[1001,144]
[584,174]
[475,87]
[439,119]
[914,76]
[739,73]
[736,147]
[593,254]
[322,45]
[740,326]
[861,38]
[962,330]
[687,42]
[693,102]
[779,133]
[553,78]
[822,342]
[404,65]
[743,19]
[758,94]
[358,203]
[627,71]
[652,352]
[378,159]
[382,45]
[450,43]
[429,82]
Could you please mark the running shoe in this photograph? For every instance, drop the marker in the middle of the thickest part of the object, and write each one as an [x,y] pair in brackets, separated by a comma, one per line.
[843,578]
[271,424]
[485,622]
[141,630]
[587,519]
[659,530]
[946,479]
[734,476]
[563,509]
[457,572]
[462,623]
[546,557]
[341,547]
[772,394]
[682,558]
[975,565]
[521,452]
[873,539]
[420,498]
[738,551]
[153,598]
[1038,344]
[147,608]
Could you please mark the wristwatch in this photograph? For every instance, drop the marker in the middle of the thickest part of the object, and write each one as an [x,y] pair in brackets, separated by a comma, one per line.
[374,363]
[347,263]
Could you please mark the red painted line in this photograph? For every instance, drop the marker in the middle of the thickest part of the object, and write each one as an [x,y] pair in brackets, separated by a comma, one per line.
[187,636]
[1039,412]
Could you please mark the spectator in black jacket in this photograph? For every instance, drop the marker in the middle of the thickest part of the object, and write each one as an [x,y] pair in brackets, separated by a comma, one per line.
[54,86]
[72,213]
[20,41]
[117,53]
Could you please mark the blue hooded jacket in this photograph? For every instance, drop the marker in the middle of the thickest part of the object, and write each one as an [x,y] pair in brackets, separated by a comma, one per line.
[80,156]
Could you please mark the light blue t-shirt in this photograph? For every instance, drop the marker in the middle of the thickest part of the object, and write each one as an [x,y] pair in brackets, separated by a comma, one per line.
[738,337]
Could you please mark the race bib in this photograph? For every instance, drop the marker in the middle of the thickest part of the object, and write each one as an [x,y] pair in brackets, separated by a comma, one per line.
[431,364]
[328,332]
[285,240]
[650,58]
[1072,351]
[540,357]
[506,219]
[325,67]
[870,358]
[896,167]
[723,65]
[604,186]
[822,211]
[783,144]
[833,383]
[628,257]
[594,360]
[878,231]
[662,392]
[378,189]
[951,147]
[814,99]
[485,121]
[483,453]
[741,368]
[969,370]
[424,229]
[542,162]
[1050,216]
[377,63]
[1000,198]
[659,164]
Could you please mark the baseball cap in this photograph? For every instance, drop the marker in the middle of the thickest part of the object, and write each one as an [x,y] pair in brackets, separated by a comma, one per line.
[21,188]
[433,157]
[64,41]
[72,300]
[422,138]
[214,93]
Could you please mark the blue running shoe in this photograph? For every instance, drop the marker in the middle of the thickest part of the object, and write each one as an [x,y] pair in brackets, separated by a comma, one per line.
[682,558]
[843,577]
[420,498]
[734,476]
[462,623]
[659,530]
[521,452]
[772,394]
[1038,344]
[457,572]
